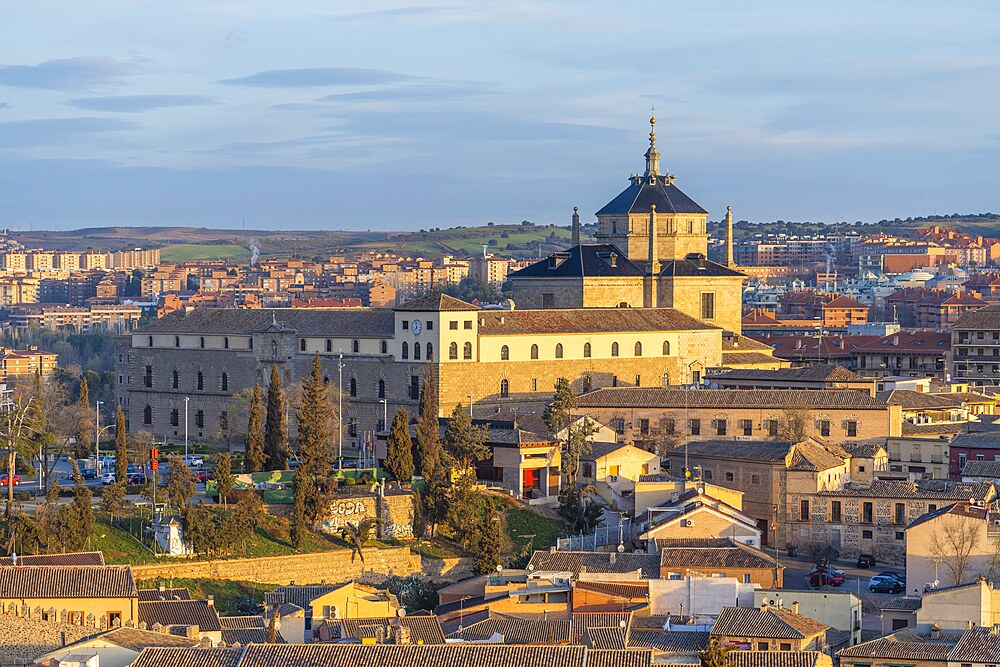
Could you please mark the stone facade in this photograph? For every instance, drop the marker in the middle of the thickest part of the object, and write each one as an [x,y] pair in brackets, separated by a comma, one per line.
[24,638]
[393,510]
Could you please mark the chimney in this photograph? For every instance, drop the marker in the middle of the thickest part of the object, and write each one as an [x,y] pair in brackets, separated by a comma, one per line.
[162,587]
[730,242]
[795,607]
[211,600]
[13,558]
[935,632]
[576,226]
[191,632]
[400,634]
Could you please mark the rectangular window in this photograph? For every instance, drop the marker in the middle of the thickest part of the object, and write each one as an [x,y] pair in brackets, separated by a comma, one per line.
[695,426]
[962,458]
[548,300]
[746,426]
[899,516]
[467,324]
[708,306]
[453,325]
[669,426]
[148,378]
[835,511]
[586,470]
[721,426]
[803,510]
[866,534]
[755,479]
[772,428]
[618,424]
[406,325]
[762,646]
[644,426]
[224,421]
[414,387]
[175,417]
[430,325]
[534,384]
[199,419]
[866,513]
[852,429]
[746,578]
[899,535]
[824,428]
[638,380]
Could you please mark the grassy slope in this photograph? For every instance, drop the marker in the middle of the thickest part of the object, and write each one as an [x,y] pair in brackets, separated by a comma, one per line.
[186,252]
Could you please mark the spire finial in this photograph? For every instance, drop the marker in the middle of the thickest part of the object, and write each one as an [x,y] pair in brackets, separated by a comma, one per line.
[652,155]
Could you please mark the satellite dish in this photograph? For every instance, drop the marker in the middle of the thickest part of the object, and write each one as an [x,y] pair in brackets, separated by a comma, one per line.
[700,490]
[401,612]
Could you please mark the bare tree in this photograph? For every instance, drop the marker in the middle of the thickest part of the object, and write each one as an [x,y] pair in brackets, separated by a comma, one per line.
[664,436]
[794,424]
[953,541]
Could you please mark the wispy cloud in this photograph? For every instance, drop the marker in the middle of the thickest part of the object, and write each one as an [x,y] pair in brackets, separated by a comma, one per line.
[49,131]
[132,103]
[4,105]
[417,92]
[318,77]
[77,73]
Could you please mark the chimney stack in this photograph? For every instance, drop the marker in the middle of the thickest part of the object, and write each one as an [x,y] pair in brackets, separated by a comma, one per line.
[211,600]
[730,262]
[576,226]
[795,607]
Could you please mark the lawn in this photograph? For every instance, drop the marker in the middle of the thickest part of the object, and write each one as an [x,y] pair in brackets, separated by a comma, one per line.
[523,521]
[189,252]
[118,546]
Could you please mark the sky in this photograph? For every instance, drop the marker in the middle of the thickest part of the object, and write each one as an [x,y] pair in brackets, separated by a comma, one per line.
[386,115]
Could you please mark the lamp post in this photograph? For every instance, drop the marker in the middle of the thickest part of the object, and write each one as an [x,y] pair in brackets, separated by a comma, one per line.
[470,405]
[97,459]
[385,414]
[340,412]
[187,399]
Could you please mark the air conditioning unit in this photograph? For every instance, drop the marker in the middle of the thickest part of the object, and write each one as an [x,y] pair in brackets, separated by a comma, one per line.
[689,523]
[614,478]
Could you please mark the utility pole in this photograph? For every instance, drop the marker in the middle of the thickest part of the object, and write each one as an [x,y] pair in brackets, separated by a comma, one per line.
[97,459]
[187,399]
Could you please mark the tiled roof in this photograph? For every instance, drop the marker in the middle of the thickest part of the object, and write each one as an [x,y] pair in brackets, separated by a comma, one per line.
[976,441]
[741,343]
[588,260]
[730,358]
[667,641]
[582,621]
[904,603]
[903,645]
[587,320]
[935,428]
[626,658]
[983,318]
[917,400]
[657,397]
[742,450]
[601,449]
[180,612]
[770,623]
[243,636]
[606,638]
[987,469]
[931,488]
[63,581]
[711,553]
[433,303]
[388,655]
[516,630]
[864,449]
[78,558]
[960,509]
[698,265]
[619,589]
[815,373]
[641,195]
[238,622]
[136,640]
[980,645]
[152,594]
[422,628]
[297,595]
[589,561]
[305,321]
[922,342]
[812,457]
[777,658]
[188,657]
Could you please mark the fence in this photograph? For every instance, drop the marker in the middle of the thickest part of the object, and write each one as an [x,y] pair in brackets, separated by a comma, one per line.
[601,537]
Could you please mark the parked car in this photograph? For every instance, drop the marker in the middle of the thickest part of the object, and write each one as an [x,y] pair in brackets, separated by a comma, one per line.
[3,479]
[824,577]
[108,478]
[88,473]
[880,584]
[895,575]
[204,476]
[866,561]
[194,461]
[135,478]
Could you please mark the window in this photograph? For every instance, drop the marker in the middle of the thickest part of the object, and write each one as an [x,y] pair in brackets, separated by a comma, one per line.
[414,387]
[666,348]
[899,514]
[618,424]
[250,341]
[384,347]
[852,429]
[638,380]
[114,619]
[430,351]
[708,306]
[729,477]
[199,419]
[614,349]
[175,379]
[201,342]
[416,351]
[225,382]
[453,325]
[150,341]
[147,379]
[772,428]
[931,507]
[586,469]
[644,426]
[708,474]
[746,426]
[302,345]
[674,576]
[666,380]
[534,384]
[453,351]
[762,646]
[835,511]
[406,325]
[866,513]
[755,479]
[329,345]
[355,346]
[803,510]
[504,353]
[467,351]
[352,428]
[177,341]
[721,426]
[695,377]
[695,426]
[548,300]
[638,348]
[504,388]
[223,421]
[824,428]
[586,350]
[381,388]
[866,534]
[405,351]
[467,324]
[785,646]
[147,415]
[430,326]
[559,351]
[225,342]
[534,351]
[354,387]
[175,417]
[962,458]
[899,534]
[200,384]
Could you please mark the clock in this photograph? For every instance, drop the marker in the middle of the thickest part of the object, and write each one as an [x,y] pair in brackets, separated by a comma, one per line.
[416,327]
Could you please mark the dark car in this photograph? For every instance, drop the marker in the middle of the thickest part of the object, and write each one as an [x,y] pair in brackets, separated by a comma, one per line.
[866,560]
[89,473]
[135,478]
[880,584]
[895,575]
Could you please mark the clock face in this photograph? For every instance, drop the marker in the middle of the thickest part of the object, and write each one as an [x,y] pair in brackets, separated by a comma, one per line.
[416,327]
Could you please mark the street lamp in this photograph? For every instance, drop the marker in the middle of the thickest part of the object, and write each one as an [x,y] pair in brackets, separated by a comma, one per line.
[340,412]
[470,405]
[97,460]
[187,399]
[385,414]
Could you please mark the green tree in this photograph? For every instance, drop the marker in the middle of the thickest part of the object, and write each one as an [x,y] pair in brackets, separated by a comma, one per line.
[255,457]
[419,515]
[113,499]
[313,419]
[399,448]
[76,519]
[714,654]
[300,510]
[488,553]
[224,478]
[558,414]
[84,421]
[578,507]
[275,438]
[180,483]
[427,453]
[121,447]
[436,499]
[463,442]
[576,434]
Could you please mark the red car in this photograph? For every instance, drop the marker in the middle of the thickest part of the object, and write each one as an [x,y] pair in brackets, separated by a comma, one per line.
[823,577]
[3,480]
[204,477]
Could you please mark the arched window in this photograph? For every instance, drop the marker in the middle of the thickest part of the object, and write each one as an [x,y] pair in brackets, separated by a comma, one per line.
[430,351]
[586,350]
[504,353]
[225,342]
[147,415]
[614,349]
[666,348]
[356,346]
[225,382]
[381,388]
[302,345]
[354,387]
[201,380]
[201,342]
[385,347]
[467,351]
[453,351]
[559,351]
[638,348]
[504,388]
[416,350]
[406,351]
[329,345]
[534,351]
[176,380]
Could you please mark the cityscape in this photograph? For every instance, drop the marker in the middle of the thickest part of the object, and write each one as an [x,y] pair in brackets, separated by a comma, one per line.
[429,373]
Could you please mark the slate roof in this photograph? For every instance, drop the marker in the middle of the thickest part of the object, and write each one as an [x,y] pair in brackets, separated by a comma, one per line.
[188,657]
[517,630]
[77,558]
[422,628]
[641,195]
[771,623]
[902,645]
[775,658]
[987,469]
[657,397]
[961,509]
[432,303]
[583,261]
[711,553]
[355,322]
[816,373]
[180,612]
[977,645]
[697,265]
[587,320]
[627,658]
[153,594]
[301,596]
[388,655]
[589,561]
[63,581]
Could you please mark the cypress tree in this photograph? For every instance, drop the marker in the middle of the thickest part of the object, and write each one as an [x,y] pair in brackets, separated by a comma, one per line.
[84,421]
[399,448]
[275,442]
[224,478]
[254,446]
[180,483]
[489,549]
[121,449]
[78,524]
[315,448]
[427,452]
[463,442]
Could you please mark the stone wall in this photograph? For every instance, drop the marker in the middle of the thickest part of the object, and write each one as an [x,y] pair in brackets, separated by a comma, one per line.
[394,512]
[24,639]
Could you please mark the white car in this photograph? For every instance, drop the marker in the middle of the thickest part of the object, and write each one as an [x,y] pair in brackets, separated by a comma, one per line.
[193,461]
[108,478]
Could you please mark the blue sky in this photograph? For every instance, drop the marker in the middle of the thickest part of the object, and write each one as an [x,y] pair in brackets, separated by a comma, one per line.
[376,115]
